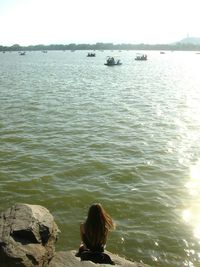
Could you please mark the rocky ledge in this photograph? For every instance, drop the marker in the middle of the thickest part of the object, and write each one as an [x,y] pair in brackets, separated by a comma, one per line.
[28,234]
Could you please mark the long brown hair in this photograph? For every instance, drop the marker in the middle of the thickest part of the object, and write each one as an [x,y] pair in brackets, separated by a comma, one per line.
[97,225]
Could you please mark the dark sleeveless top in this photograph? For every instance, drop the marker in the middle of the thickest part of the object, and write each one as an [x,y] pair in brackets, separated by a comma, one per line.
[97,248]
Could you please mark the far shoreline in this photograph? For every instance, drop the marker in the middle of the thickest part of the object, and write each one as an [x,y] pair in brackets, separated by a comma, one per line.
[102,46]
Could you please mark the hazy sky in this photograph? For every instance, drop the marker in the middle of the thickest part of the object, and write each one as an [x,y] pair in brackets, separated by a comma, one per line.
[28,22]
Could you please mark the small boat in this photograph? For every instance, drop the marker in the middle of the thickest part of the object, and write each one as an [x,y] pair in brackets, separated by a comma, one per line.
[162,52]
[110,61]
[141,57]
[22,53]
[91,55]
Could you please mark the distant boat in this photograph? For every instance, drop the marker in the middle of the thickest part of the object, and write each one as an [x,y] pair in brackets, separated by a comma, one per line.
[44,51]
[91,55]
[162,52]
[110,61]
[141,57]
[22,53]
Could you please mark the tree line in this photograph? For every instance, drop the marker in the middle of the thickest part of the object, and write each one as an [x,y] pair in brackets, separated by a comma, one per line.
[103,46]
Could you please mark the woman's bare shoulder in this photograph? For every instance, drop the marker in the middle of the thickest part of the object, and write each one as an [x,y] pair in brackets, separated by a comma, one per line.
[82,227]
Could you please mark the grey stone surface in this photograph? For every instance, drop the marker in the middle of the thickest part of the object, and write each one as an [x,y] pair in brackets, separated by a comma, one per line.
[27,236]
[68,259]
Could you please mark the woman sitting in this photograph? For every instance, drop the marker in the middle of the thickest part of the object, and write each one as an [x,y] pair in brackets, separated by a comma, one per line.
[94,233]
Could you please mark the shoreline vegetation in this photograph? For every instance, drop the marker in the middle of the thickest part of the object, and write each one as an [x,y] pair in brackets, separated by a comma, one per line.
[103,46]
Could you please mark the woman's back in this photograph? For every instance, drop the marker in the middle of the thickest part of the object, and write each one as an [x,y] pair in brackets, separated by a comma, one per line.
[94,231]
[92,244]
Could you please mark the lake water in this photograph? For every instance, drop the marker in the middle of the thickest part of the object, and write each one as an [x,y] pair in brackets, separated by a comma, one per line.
[74,132]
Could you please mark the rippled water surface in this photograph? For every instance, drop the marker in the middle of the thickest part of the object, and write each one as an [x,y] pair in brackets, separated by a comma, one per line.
[74,132]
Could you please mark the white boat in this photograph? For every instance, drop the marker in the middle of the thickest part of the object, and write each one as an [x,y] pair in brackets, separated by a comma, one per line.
[22,53]
[111,61]
[141,57]
[91,55]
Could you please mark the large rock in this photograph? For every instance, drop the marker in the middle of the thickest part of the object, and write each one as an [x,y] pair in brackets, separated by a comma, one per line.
[27,236]
[68,259]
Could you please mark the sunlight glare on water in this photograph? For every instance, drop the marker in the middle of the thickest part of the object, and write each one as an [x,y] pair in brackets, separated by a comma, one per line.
[192,214]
